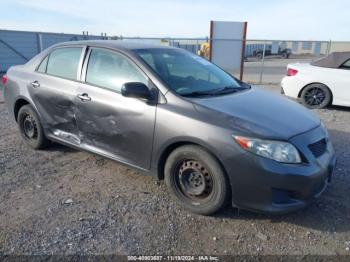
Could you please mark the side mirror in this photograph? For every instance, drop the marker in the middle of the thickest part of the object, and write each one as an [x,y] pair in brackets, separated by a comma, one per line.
[136,90]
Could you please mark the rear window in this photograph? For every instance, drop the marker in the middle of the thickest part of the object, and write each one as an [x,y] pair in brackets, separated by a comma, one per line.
[64,62]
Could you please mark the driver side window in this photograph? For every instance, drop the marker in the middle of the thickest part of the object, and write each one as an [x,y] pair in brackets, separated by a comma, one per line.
[111,70]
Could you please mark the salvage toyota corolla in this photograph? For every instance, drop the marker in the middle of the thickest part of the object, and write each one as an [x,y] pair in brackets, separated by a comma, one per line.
[175,115]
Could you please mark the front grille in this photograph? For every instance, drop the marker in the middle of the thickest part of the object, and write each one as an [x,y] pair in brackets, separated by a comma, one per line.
[318,148]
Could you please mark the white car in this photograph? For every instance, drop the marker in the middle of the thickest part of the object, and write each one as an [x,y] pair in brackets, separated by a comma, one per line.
[320,83]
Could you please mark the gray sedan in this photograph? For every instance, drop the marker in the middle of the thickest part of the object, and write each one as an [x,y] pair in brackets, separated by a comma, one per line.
[174,115]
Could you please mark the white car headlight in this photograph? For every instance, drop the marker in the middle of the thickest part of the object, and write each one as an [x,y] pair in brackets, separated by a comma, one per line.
[276,150]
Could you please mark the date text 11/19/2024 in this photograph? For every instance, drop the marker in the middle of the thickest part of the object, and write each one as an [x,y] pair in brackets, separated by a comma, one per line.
[173,258]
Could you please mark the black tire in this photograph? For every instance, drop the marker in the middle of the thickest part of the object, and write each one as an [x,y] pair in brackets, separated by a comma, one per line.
[208,191]
[30,128]
[316,96]
[259,56]
[285,55]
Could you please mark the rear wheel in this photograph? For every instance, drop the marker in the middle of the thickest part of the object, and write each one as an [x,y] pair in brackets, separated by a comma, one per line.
[30,128]
[196,180]
[316,96]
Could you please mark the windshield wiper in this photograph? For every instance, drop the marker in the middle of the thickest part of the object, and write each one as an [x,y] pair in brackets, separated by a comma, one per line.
[219,91]
[228,89]
[198,93]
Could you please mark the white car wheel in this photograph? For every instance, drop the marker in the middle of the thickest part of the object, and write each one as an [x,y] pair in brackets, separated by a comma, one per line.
[316,96]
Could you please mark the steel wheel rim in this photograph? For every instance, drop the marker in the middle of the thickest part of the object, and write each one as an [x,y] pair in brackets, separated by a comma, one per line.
[193,180]
[29,127]
[314,96]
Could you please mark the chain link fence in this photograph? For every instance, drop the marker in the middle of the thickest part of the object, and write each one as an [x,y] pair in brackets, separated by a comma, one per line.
[265,61]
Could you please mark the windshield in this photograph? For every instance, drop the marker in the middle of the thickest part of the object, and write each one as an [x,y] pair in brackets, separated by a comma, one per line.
[186,73]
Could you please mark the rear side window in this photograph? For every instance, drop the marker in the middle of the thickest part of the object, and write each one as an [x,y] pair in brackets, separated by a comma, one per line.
[43,64]
[64,62]
[111,70]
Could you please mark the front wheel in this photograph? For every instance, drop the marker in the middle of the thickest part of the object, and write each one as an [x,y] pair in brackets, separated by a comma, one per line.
[316,96]
[30,128]
[196,180]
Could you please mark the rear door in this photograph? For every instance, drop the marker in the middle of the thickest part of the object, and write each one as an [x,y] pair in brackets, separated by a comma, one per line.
[109,123]
[53,89]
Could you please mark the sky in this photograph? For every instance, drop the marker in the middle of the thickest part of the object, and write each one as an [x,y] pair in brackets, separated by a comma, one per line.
[268,19]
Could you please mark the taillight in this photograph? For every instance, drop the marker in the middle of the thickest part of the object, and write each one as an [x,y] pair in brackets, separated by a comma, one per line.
[291,72]
[4,80]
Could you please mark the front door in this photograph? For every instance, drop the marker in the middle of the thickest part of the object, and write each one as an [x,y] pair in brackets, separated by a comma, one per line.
[109,123]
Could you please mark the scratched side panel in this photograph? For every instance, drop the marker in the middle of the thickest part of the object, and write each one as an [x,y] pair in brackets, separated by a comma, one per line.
[117,126]
[55,100]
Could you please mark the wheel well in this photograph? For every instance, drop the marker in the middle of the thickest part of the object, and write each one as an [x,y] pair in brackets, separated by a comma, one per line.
[301,90]
[166,153]
[19,103]
[171,148]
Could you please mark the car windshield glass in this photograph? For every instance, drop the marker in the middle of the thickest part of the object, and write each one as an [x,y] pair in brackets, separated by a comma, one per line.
[188,74]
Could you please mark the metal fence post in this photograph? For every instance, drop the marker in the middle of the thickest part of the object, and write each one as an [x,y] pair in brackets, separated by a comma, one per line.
[262,64]
[40,42]
[329,47]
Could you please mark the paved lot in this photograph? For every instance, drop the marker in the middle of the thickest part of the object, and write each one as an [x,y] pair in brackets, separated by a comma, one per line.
[62,201]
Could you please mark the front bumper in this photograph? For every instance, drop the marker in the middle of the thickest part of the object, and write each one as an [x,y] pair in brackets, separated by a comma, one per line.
[264,185]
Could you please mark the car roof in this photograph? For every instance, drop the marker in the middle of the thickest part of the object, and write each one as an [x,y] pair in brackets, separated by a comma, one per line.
[334,60]
[116,44]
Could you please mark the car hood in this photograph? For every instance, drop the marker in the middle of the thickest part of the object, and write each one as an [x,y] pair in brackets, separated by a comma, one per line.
[257,112]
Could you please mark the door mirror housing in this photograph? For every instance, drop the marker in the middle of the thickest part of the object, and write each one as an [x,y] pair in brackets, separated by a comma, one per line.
[136,90]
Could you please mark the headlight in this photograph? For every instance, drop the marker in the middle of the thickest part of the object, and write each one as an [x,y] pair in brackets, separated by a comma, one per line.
[276,150]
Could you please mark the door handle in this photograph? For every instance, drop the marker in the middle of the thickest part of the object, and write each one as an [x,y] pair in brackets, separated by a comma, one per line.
[35,84]
[84,97]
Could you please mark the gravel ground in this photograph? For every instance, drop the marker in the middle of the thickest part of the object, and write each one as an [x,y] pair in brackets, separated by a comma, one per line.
[62,201]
